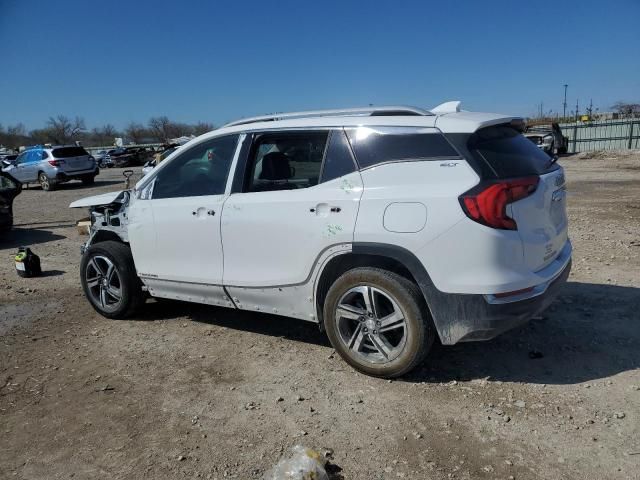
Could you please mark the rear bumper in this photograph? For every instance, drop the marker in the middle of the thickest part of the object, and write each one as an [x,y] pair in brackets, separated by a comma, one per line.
[64,176]
[472,318]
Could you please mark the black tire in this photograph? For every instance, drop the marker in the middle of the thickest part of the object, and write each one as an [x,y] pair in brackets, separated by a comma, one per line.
[418,331]
[131,296]
[88,180]
[46,182]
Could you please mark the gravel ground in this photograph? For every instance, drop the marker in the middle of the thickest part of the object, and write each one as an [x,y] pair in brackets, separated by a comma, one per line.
[189,391]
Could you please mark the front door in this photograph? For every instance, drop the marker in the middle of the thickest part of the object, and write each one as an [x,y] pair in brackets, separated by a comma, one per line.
[25,168]
[300,196]
[175,234]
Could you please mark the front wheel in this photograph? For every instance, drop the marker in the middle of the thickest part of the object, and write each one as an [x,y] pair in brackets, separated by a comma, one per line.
[109,280]
[378,322]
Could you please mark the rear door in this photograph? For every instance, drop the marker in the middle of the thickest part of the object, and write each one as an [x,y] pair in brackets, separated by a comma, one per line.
[298,194]
[73,158]
[541,217]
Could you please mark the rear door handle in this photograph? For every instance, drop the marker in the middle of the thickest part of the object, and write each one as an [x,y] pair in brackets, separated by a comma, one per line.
[336,209]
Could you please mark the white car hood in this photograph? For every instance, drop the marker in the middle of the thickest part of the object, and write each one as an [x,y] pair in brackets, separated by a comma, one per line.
[97,200]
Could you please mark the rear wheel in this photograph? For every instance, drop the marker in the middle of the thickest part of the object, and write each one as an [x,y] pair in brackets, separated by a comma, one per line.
[45,182]
[109,280]
[378,322]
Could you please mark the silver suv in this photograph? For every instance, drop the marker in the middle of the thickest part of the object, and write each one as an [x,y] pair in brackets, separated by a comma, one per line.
[50,166]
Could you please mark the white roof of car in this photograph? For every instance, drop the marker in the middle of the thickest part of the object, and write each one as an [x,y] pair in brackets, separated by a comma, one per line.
[447,117]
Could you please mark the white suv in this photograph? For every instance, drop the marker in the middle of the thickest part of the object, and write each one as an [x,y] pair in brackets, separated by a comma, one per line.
[386,226]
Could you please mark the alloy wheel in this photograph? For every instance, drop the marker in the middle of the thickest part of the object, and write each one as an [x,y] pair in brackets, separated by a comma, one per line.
[371,324]
[103,282]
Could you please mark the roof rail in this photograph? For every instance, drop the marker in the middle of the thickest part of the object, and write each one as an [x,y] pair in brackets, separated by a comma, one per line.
[343,112]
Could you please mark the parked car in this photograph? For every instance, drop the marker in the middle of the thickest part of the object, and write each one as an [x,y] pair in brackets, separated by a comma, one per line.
[50,166]
[130,156]
[386,226]
[10,188]
[103,159]
[9,159]
[548,138]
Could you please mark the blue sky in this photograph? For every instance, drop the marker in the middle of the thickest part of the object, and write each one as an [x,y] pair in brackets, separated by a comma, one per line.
[119,61]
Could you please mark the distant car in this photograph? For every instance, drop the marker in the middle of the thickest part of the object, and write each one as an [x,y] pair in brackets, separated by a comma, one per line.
[10,188]
[8,159]
[129,156]
[51,166]
[548,138]
[103,159]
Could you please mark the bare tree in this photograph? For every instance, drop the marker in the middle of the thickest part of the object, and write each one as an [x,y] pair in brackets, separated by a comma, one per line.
[104,135]
[62,130]
[202,127]
[160,128]
[626,108]
[18,129]
[135,132]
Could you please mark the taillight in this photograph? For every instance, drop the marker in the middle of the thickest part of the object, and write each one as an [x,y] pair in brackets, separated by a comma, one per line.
[487,203]
[55,163]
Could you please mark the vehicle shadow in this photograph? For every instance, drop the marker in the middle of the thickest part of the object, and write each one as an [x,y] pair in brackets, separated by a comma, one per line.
[260,323]
[27,237]
[52,273]
[592,331]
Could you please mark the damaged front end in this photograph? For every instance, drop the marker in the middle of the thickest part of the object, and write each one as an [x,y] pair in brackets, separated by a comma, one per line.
[109,216]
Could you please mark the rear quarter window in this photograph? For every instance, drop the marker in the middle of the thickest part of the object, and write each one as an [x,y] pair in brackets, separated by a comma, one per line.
[375,145]
[509,153]
[68,152]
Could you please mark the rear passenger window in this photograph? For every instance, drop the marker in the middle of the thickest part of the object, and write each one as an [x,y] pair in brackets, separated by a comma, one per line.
[338,160]
[374,145]
[285,161]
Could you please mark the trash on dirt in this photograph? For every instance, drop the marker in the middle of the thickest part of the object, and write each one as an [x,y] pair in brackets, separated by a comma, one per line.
[27,263]
[303,464]
[83,225]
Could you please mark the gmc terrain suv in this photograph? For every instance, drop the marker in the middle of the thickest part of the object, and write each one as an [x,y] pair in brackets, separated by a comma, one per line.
[386,226]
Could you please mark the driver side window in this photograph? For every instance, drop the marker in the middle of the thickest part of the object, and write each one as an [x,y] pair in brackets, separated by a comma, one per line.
[199,170]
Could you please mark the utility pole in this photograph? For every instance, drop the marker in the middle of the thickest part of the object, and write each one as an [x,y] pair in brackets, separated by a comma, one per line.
[577,110]
[564,105]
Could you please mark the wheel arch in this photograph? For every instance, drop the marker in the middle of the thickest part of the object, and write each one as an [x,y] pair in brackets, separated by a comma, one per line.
[106,235]
[367,254]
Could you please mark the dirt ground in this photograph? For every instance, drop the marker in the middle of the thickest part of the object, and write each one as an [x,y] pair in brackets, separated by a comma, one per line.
[187,391]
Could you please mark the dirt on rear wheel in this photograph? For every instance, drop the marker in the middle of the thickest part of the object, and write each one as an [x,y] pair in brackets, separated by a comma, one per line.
[378,322]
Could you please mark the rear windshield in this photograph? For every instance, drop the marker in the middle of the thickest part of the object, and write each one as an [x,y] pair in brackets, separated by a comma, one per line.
[508,153]
[67,152]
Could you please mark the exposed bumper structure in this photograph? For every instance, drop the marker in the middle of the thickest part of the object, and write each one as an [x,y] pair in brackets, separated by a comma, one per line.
[491,319]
